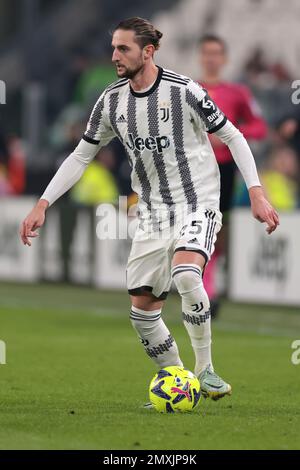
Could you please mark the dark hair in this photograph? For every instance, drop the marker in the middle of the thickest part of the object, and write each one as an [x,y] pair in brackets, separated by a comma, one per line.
[144,31]
[213,38]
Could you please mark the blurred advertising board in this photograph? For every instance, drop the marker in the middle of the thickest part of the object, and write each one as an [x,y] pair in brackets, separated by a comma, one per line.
[264,268]
[112,247]
[68,248]
[17,262]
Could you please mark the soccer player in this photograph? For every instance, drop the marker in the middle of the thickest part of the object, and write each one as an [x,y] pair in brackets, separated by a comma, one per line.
[163,118]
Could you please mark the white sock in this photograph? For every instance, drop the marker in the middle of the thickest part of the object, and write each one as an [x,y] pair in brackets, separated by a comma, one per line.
[195,312]
[155,337]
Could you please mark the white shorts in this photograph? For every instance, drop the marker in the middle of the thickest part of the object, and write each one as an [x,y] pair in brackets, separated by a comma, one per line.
[150,259]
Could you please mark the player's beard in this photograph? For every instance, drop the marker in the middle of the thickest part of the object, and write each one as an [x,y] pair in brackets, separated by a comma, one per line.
[130,73]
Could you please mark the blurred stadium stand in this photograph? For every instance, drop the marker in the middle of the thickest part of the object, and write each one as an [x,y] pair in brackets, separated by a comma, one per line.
[246,25]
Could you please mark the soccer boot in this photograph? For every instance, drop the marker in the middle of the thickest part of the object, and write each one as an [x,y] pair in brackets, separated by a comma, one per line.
[212,386]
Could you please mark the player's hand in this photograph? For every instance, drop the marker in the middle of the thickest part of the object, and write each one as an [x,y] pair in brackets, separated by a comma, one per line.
[262,209]
[33,221]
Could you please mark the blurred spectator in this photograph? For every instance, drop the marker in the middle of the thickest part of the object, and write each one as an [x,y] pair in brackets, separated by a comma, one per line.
[4,184]
[122,170]
[259,72]
[279,178]
[12,166]
[16,165]
[67,130]
[288,130]
[95,77]
[97,185]
[271,83]
[256,68]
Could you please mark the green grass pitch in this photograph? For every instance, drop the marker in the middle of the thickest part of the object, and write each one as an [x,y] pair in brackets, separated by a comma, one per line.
[76,375]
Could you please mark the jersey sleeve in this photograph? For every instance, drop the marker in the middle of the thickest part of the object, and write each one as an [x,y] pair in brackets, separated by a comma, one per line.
[241,153]
[99,130]
[204,111]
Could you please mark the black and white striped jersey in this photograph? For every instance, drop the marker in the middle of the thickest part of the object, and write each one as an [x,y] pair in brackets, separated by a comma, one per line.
[164,131]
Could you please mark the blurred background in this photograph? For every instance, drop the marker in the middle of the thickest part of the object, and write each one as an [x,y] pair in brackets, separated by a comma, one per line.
[55,60]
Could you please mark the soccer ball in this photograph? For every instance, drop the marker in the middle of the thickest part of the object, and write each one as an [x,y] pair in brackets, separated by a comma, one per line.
[174,388]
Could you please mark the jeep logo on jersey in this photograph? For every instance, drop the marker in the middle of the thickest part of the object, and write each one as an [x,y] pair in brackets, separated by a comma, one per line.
[158,143]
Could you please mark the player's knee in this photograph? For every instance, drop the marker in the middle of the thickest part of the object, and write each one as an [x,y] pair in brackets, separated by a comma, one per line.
[146,302]
[187,277]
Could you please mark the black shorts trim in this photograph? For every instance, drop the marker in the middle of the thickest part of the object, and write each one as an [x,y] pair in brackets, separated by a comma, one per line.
[141,290]
[197,250]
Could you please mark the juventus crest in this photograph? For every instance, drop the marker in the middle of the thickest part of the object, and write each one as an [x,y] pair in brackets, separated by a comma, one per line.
[164,113]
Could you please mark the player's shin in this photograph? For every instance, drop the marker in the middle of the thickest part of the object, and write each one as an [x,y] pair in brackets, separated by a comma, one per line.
[195,312]
[155,337]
